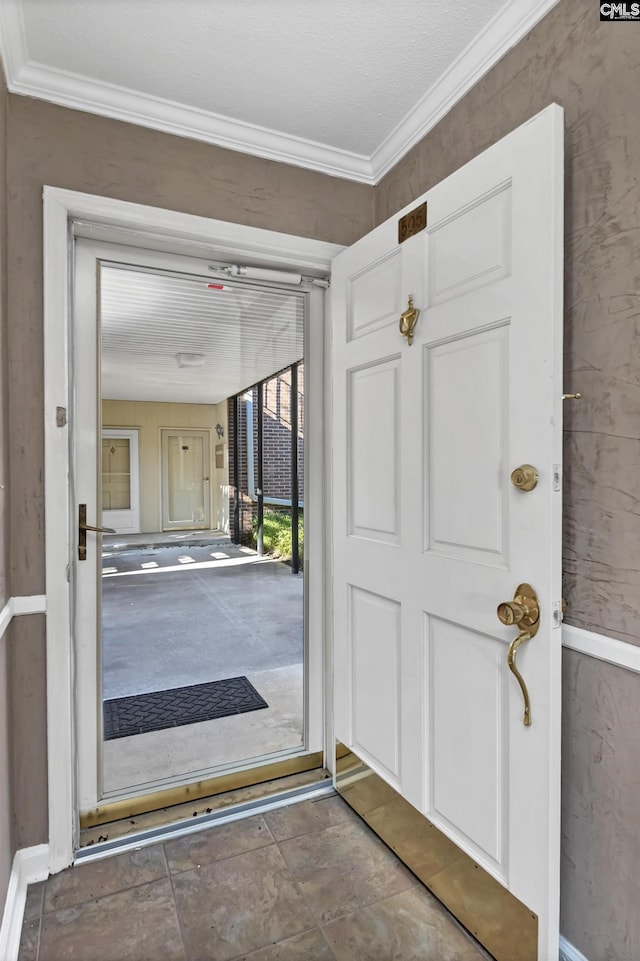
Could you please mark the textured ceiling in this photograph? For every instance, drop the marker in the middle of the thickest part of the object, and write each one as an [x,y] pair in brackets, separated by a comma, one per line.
[345,87]
[245,334]
[337,72]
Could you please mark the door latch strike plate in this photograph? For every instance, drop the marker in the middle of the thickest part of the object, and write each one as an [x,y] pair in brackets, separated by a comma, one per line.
[61,416]
[557,614]
[557,477]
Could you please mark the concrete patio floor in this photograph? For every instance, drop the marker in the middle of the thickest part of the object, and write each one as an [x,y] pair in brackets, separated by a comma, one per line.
[180,615]
[174,616]
[195,749]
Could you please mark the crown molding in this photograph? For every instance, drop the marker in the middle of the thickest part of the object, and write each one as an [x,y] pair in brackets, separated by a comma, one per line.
[13,45]
[24,77]
[118,103]
[505,29]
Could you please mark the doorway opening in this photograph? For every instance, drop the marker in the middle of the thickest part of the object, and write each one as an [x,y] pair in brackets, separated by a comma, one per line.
[198,668]
[71,710]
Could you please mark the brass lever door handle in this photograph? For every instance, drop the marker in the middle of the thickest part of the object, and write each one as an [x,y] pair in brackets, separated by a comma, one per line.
[83,527]
[523,611]
[511,661]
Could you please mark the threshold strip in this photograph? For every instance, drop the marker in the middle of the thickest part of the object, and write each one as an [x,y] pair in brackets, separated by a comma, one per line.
[142,804]
[237,812]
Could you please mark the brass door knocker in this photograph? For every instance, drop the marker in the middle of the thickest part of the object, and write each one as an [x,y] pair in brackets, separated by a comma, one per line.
[408,319]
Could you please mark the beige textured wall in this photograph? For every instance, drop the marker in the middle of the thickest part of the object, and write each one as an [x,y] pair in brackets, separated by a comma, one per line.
[6,840]
[600,809]
[593,71]
[67,148]
[150,418]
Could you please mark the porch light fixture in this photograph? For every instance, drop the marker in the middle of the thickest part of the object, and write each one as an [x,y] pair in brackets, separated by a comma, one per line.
[190,360]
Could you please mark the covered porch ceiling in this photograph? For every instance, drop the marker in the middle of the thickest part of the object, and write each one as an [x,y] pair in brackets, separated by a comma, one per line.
[234,334]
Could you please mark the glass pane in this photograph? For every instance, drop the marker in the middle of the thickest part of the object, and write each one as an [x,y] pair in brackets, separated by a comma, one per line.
[116,474]
[187,612]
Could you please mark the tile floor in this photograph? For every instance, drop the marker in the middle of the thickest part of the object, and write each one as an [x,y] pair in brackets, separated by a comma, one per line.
[310,882]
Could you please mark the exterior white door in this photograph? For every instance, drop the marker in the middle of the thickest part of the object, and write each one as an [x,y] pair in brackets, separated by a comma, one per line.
[186,488]
[121,480]
[430,532]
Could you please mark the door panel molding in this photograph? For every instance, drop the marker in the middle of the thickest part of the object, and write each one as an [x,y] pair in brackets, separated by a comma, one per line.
[454,266]
[375,710]
[481,771]
[479,529]
[373,478]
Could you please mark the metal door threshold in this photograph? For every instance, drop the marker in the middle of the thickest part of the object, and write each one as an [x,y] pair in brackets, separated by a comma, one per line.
[236,812]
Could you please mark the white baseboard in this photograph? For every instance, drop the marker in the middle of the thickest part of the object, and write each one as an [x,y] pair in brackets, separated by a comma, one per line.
[29,866]
[568,952]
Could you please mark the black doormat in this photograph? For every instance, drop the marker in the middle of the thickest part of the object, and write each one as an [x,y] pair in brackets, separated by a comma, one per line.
[141,713]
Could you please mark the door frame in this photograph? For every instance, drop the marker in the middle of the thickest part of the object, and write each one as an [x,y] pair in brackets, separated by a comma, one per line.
[132,434]
[141,225]
[164,476]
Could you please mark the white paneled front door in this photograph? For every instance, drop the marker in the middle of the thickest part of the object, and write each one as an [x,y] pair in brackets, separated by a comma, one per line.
[430,532]
[186,489]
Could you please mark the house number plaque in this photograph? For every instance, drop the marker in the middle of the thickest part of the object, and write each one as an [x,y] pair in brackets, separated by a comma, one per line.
[412,223]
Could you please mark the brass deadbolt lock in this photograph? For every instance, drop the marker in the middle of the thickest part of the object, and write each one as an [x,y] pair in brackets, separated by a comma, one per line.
[523,610]
[525,477]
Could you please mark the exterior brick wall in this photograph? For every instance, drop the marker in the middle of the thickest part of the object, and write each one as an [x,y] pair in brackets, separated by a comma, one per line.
[276,448]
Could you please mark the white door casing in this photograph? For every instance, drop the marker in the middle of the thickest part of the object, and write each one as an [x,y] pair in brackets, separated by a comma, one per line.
[67,213]
[429,533]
